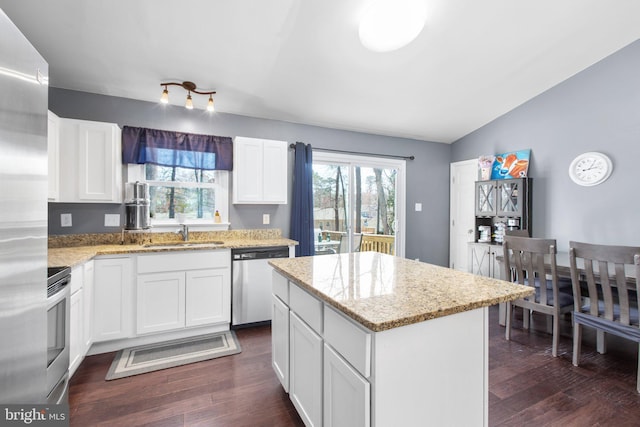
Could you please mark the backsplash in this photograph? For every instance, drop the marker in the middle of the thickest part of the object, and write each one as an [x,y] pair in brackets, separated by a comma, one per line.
[139,238]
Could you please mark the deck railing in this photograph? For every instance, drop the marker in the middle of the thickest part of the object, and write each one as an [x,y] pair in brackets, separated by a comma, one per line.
[377,243]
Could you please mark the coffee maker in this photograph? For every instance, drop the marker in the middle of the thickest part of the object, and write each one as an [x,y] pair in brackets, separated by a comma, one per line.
[137,206]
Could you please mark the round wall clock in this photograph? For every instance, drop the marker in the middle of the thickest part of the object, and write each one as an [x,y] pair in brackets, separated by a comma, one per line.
[590,168]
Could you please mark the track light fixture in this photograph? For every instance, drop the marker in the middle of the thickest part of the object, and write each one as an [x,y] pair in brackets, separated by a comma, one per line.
[189,87]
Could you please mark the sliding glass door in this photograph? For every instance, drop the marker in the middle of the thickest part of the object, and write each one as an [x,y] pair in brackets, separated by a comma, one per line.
[358,204]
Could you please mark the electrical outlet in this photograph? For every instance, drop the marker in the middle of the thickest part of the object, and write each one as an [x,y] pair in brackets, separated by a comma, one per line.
[65,220]
[266,219]
[112,220]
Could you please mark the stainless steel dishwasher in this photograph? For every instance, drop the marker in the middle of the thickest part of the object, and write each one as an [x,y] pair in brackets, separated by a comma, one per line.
[251,286]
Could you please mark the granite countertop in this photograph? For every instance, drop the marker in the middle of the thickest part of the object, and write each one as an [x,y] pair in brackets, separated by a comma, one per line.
[382,291]
[73,250]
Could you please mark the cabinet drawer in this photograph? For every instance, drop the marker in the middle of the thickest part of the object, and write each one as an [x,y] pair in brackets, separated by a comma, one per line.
[306,306]
[350,340]
[280,286]
[183,260]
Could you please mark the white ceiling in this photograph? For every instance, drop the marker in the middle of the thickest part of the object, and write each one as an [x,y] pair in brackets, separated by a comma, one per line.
[301,60]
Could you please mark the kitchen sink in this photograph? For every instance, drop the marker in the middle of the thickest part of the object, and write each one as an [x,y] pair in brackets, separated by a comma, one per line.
[170,245]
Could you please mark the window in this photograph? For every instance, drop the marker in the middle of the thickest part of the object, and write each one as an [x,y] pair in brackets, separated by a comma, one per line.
[358,204]
[179,195]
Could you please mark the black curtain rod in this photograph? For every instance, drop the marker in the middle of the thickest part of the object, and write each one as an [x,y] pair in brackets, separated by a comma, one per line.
[328,150]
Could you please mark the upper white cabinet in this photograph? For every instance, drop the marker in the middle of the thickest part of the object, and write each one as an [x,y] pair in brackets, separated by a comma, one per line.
[53,132]
[259,171]
[90,162]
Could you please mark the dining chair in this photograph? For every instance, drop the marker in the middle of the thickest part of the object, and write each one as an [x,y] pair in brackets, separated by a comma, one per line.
[610,300]
[532,262]
[344,243]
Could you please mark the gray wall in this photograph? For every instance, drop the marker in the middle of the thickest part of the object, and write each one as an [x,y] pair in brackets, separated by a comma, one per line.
[595,110]
[427,175]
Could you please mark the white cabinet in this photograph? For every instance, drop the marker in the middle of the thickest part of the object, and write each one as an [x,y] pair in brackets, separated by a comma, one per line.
[76,344]
[90,162]
[87,290]
[280,341]
[259,171]
[54,156]
[160,302]
[113,296]
[184,289]
[347,395]
[80,314]
[305,371]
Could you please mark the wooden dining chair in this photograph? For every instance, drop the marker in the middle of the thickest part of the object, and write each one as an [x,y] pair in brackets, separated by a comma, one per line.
[610,300]
[532,262]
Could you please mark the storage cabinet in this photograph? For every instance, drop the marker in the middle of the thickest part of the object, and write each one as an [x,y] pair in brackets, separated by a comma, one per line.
[90,162]
[347,395]
[113,296]
[482,260]
[305,370]
[53,156]
[181,290]
[80,314]
[259,171]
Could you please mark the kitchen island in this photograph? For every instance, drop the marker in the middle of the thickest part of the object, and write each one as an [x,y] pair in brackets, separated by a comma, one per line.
[366,339]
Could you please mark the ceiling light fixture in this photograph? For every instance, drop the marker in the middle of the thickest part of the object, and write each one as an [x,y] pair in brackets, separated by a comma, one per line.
[391,24]
[189,87]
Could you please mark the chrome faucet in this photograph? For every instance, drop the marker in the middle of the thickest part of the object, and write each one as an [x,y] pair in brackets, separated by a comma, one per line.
[184,232]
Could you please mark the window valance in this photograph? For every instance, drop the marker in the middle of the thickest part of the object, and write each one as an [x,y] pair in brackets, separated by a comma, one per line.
[168,148]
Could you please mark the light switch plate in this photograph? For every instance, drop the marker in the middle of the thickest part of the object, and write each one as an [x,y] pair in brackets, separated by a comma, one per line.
[266,219]
[65,220]
[418,207]
[112,220]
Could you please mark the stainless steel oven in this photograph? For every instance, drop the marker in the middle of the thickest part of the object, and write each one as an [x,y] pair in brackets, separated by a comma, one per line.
[58,293]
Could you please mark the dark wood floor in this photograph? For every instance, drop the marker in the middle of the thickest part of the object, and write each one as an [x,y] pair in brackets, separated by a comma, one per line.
[527,386]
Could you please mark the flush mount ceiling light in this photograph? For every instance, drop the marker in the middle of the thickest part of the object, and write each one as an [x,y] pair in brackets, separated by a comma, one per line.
[189,87]
[391,24]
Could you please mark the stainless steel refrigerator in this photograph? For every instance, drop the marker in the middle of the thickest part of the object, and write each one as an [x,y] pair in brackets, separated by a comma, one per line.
[23,218]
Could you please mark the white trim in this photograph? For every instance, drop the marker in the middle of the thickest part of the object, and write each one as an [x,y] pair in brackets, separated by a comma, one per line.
[323,157]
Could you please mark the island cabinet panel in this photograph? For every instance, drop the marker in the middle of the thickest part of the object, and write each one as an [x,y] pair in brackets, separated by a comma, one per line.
[347,395]
[280,340]
[441,382]
[305,370]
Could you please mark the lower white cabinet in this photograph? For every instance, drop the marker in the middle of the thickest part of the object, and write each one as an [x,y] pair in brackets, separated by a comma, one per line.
[160,302]
[113,296]
[280,340]
[80,314]
[305,371]
[183,289]
[347,395]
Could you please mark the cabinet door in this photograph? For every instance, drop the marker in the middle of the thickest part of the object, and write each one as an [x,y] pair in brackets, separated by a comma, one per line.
[280,340]
[247,170]
[480,259]
[497,268]
[76,333]
[160,302]
[98,150]
[305,371]
[274,182]
[510,197]
[486,198]
[208,297]
[54,157]
[87,288]
[113,297]
[346,393]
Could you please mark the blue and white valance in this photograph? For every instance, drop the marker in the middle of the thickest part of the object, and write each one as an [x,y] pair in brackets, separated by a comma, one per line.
[168,148]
